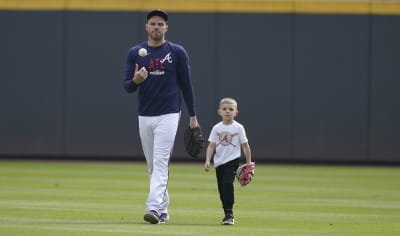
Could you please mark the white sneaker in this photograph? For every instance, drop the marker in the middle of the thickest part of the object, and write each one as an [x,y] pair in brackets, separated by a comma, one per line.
[164,217]
[228,220]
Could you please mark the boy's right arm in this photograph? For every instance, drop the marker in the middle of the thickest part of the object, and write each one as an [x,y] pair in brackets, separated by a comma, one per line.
[209,155]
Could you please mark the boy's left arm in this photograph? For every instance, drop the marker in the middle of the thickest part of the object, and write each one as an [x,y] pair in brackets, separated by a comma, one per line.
[247,152]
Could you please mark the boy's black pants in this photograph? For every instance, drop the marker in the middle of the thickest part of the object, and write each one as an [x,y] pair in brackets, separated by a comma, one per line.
[225,177]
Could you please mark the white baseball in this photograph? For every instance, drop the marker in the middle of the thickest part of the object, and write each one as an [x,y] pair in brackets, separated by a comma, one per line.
[142,52]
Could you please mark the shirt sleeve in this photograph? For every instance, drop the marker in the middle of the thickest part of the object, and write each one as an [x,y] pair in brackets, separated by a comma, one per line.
[185,81]
[242,135]
[213,138]
[129,85]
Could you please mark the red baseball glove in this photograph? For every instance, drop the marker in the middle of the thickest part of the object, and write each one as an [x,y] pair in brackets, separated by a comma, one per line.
[245,173]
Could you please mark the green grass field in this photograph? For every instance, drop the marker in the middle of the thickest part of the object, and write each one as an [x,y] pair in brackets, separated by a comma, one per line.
[103,198]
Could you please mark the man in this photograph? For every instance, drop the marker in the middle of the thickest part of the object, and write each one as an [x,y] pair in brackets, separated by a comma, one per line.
[161,74]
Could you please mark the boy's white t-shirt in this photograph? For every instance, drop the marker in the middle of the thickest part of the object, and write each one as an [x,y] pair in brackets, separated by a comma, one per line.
[228,140]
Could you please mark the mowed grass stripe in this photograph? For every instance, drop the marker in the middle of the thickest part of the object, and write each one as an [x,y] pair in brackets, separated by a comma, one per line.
[73,198]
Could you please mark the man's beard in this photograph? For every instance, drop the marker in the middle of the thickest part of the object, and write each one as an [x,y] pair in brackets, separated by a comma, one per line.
[156,35]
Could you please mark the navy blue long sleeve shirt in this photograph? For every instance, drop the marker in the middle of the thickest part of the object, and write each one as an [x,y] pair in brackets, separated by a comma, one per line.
[168,79]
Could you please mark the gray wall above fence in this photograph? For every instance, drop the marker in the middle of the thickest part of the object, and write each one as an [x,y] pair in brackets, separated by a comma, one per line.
[310,87]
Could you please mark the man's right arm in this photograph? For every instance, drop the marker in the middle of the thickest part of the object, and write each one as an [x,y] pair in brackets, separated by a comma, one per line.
[129,85]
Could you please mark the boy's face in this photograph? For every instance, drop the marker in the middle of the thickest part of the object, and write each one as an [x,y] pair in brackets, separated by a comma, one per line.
[227,111]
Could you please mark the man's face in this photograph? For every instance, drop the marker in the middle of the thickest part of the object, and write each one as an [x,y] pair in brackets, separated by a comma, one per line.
[156,28]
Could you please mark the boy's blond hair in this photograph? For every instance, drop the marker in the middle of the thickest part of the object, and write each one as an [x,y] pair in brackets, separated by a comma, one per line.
[228,100]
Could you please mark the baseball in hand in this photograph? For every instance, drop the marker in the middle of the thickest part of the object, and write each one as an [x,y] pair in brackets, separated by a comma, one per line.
[142,52]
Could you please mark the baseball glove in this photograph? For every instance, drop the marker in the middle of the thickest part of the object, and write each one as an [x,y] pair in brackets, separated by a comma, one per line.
[194,141]
[245,173]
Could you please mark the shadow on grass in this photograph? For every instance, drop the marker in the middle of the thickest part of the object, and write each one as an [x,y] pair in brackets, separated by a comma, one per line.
[105,222]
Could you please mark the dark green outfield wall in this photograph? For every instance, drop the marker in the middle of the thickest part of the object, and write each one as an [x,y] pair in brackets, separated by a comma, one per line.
[310,87]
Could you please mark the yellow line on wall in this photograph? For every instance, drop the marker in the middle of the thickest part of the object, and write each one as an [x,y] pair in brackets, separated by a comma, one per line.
[210,6]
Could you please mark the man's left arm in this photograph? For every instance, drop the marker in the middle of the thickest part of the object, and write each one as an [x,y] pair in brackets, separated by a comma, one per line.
[185,82]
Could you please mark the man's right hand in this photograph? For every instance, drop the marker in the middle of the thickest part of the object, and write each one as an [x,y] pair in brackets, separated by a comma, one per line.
[139,76]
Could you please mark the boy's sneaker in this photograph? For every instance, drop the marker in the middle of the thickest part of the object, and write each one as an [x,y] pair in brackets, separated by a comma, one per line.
[164,217]
[228,220]
[152,217]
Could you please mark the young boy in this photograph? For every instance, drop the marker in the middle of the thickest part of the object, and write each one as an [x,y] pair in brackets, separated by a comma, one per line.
[225,142]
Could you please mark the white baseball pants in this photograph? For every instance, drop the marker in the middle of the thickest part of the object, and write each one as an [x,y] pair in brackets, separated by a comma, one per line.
[157,134]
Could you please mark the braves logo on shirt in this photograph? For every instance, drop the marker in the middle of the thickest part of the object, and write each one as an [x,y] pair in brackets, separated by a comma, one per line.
[157,65]
[167,58]
[225,139]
